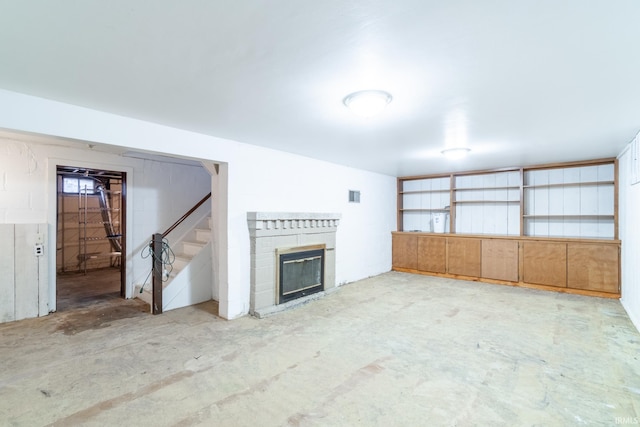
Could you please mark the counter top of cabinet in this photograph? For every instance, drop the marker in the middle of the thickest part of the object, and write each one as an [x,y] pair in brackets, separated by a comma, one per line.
[523,238]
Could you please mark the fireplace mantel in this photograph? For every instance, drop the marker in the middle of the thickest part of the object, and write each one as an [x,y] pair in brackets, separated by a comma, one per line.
[283,223]
[271,231]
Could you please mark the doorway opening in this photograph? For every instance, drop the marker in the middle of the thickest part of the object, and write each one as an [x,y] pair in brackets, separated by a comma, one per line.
[91,236]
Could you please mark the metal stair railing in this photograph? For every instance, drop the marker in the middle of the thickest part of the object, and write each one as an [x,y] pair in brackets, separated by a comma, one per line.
[156,248]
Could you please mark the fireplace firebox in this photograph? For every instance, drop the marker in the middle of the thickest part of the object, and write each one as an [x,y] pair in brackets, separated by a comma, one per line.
[270,233]
[300,272]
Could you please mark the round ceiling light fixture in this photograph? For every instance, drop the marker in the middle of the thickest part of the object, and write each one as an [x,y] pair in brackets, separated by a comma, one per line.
[456,153]
[367,103]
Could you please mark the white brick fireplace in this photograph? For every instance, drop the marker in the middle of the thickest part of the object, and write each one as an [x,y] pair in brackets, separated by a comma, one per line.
[274,232]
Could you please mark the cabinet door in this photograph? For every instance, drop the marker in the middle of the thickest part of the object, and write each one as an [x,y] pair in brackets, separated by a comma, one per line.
[432,254]
[464,256]
[593,267]
[500,259]
[405,251]
[545,263]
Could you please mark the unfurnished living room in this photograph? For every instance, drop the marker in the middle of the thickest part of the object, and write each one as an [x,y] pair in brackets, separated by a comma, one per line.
[330,213]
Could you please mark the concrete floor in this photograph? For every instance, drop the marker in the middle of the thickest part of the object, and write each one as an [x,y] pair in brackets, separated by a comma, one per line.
[92,301]
[394,350]
[76,290]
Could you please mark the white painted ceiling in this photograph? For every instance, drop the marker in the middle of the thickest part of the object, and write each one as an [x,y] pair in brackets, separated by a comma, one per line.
[519,82]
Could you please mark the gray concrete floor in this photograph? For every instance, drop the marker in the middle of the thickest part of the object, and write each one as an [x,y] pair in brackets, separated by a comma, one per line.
[76,290]
[394,350]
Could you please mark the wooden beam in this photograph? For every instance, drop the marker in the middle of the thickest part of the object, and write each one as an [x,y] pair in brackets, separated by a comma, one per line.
[156,247]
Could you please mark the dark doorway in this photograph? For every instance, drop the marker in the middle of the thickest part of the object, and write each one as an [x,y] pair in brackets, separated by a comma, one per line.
[91,218]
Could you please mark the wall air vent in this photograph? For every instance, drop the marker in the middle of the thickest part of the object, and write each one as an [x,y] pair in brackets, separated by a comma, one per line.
[354,196]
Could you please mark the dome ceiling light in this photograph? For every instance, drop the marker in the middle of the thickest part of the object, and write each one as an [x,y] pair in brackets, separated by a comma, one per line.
[367,103]
[456,153]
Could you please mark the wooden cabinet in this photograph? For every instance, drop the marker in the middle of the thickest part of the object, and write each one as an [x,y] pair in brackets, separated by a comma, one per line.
[545,263]
[586,266]
[463,255]
[593,267]
[500,259]
[432,254]
[405,251]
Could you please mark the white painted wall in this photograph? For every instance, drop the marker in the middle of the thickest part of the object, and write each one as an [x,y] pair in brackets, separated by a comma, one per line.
[629,206]
[259,179]
[266,180]
[158,194]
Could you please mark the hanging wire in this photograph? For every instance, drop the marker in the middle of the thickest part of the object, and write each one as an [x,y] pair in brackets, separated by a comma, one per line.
[166,258]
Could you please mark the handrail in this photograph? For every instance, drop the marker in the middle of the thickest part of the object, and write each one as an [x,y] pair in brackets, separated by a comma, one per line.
[178,222]
[156,248]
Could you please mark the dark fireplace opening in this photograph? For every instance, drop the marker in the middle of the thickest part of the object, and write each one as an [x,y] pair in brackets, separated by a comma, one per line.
[300,272]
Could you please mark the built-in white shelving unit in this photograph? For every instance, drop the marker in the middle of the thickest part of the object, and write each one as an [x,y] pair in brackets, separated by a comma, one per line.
[574,200]
[423,199]
[487,203]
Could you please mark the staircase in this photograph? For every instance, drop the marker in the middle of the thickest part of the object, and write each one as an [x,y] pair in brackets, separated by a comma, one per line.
[190,280]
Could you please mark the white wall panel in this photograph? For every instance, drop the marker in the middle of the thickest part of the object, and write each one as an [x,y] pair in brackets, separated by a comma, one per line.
[572,228]
[43,272]
[7,284]
[412,221]
[606,173]
[439,200]
[23,275]
[444,183]
[588,200]
[590,173]
[513,219]
[629,223]
[570,175]
[26,271]
[491,217]
[554,204]
[413,185]
[488,180]
[412,201]
[570,202]
[556,175]
[541,202]
[589,227]
[556,227]
[502,179]
[536,177]
[606,197]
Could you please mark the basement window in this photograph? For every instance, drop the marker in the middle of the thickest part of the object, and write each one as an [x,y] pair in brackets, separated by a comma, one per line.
[73,185]
[354,196]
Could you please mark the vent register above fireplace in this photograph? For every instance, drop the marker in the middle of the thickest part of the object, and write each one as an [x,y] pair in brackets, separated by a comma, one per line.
[292,258]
